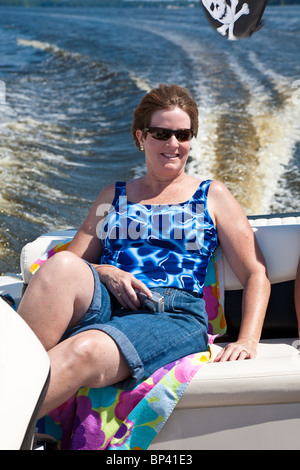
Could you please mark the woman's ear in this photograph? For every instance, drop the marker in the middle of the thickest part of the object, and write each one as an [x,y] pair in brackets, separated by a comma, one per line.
[140,137]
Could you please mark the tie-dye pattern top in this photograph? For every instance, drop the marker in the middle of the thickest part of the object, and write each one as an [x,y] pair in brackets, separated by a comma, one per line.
[161,245]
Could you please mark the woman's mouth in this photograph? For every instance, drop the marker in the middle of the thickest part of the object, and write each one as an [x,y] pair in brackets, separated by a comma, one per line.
[170,155]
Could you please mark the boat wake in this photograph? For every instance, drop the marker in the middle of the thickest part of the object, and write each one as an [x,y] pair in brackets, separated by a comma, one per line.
[47,47]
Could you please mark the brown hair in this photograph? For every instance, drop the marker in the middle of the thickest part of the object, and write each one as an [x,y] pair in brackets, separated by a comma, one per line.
[163,97]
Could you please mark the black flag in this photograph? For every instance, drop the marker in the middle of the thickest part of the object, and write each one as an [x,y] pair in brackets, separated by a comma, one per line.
[235,19]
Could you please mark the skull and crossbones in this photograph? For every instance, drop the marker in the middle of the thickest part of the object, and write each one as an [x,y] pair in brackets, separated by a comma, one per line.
[225,14]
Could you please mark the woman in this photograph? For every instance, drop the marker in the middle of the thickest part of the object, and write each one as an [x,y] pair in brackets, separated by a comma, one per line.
[157,234]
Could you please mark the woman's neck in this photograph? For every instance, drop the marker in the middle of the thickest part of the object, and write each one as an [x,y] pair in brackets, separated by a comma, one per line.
[148,190]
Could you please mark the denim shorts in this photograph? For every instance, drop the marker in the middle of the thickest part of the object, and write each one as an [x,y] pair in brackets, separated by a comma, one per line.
[148,340]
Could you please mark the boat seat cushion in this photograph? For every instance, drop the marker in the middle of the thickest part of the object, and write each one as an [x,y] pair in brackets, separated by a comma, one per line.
[273,377]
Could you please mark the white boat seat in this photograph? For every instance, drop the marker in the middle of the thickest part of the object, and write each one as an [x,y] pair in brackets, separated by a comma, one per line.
[273,377]
[24,372]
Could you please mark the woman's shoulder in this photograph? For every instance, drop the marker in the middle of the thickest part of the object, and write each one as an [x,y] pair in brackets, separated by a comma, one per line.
[219,189]
[107,193]
[223,205]
[213,188]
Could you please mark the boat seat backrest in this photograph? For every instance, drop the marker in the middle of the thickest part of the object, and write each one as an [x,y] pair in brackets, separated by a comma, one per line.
[280,245]
[279,240]
[37,248]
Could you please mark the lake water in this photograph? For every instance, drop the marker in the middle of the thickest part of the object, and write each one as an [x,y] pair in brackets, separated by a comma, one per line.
[70,79]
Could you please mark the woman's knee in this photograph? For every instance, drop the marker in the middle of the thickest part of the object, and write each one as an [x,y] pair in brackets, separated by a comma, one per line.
[84,355]
[58,271]
[98,357]
[81,351]
[61,264]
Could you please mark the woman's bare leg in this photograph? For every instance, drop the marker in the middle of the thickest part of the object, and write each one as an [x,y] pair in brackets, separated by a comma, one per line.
[89,359]
[57,297]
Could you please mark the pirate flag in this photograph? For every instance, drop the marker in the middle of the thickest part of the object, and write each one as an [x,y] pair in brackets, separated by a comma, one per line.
[235,19]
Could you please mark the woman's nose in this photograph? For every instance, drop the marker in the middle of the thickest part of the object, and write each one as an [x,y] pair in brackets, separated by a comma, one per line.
[173,141]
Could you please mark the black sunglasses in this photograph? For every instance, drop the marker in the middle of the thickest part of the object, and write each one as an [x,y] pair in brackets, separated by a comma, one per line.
[160,133]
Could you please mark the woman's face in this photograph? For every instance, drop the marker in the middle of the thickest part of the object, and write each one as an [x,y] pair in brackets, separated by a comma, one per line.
[169,155]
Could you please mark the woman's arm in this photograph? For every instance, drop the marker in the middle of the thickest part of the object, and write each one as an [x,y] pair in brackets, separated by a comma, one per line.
[86,242]
[242,251]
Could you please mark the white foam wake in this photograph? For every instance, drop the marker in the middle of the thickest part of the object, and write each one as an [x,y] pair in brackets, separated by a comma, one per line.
[46,46]
[276,120]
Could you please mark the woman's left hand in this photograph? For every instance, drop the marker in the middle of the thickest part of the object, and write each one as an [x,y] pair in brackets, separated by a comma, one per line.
[242,349]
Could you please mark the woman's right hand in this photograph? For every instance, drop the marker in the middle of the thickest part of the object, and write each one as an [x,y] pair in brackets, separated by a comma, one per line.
[123,285]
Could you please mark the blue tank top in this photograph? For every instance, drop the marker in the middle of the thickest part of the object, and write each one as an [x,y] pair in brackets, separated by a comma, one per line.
[161,245]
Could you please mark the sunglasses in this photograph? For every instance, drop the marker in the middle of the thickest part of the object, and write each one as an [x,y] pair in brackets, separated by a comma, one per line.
[160,133]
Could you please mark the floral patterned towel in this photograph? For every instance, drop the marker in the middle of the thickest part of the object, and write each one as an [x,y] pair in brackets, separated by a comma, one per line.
[113,419]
